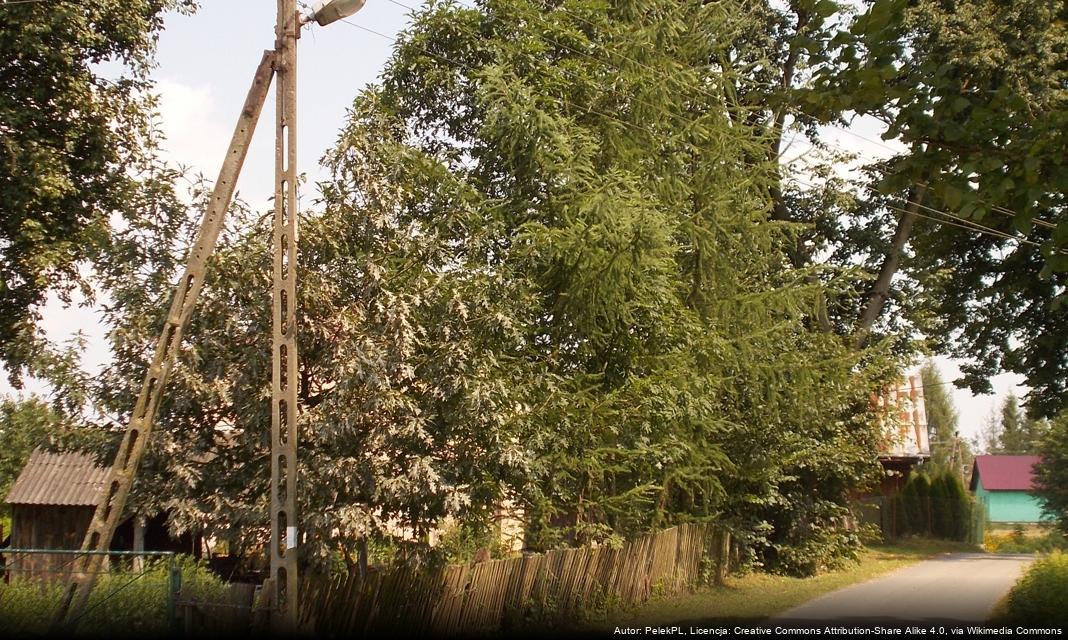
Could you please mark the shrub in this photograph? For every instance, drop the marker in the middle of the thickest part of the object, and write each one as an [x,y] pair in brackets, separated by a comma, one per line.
[916,494]
[121,604]
[824,544]
[462,542]
[957,507]
[1041,596]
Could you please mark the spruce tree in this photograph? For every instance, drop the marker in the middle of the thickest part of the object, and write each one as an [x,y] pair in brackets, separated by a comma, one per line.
[1013,437]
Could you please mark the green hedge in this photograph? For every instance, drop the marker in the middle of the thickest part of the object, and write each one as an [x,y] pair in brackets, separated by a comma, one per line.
[1040,598]
[938,507]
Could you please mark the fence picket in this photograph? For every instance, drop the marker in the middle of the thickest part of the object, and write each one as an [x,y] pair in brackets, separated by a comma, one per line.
[478,597]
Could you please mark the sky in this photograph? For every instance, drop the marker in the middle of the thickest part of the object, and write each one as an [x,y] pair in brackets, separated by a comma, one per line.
[206,62]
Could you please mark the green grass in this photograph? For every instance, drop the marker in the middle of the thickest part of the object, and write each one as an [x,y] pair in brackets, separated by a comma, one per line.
[756,596]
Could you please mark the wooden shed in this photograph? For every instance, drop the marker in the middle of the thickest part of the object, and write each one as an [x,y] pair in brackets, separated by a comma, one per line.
[52,502]
[1003,485]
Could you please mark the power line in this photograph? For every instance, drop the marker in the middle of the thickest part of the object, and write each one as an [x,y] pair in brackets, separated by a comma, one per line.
[955,221]
[964,224]
[975,224]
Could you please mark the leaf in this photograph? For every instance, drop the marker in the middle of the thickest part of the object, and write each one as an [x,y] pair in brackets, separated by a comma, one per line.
[951,196]
[825,8]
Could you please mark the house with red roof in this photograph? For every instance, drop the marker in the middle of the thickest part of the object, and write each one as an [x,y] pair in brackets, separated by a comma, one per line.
[1003,485]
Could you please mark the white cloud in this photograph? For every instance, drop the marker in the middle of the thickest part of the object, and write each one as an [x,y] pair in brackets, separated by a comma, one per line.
[198,129]
[194,135]
[60,323]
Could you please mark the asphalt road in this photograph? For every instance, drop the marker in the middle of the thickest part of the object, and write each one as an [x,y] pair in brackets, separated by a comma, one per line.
[956,587]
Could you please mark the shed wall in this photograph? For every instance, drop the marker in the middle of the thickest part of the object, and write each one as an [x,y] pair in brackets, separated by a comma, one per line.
[1009,506]
[46,527]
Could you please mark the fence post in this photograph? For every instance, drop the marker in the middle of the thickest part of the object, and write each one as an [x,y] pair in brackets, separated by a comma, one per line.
[174,585]
[723,545]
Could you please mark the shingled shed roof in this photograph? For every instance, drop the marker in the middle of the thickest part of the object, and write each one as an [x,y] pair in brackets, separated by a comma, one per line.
[66,479]
[1004,473]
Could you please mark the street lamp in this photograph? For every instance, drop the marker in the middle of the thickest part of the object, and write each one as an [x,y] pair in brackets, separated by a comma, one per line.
[327,11]
[281,587]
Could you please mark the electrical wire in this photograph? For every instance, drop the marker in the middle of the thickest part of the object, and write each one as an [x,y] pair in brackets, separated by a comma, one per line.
[954,221]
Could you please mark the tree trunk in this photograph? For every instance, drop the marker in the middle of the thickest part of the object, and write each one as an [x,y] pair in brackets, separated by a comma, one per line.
[880,290]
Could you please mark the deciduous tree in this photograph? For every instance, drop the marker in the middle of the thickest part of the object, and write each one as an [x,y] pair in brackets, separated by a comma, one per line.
[72,137]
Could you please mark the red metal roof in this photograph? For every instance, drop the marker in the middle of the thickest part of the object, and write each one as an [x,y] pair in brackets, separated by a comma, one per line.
[1004,473]
[68,479]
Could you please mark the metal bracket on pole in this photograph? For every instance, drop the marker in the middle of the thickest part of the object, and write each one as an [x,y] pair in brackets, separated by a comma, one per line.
[109,510]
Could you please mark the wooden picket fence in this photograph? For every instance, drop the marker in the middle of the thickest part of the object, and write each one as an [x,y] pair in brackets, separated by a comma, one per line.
[490,596]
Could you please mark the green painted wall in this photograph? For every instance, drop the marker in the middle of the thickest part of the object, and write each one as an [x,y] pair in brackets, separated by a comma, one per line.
[1009,506]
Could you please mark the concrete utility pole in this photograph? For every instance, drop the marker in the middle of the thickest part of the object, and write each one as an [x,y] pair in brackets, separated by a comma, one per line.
[284,379]
[282,584]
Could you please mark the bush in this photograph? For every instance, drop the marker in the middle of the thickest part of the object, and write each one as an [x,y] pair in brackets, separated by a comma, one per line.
[1041,596]
[916,496]
[121,604]
[819,542]
[462,542]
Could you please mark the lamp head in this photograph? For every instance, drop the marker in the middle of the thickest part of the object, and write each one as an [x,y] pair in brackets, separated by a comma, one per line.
[327,11]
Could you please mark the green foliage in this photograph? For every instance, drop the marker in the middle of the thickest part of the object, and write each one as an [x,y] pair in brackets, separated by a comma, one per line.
[975,91]
[74,141]
[1015,433]
[1040,598]
[1009,431]
[463,541]
[23,426]
[123,604]
[916,501]
[1048,542]
[953,518]
[824,545]
[533,277]
[1051,473]
[939,507]
[30,423]
[948,450]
